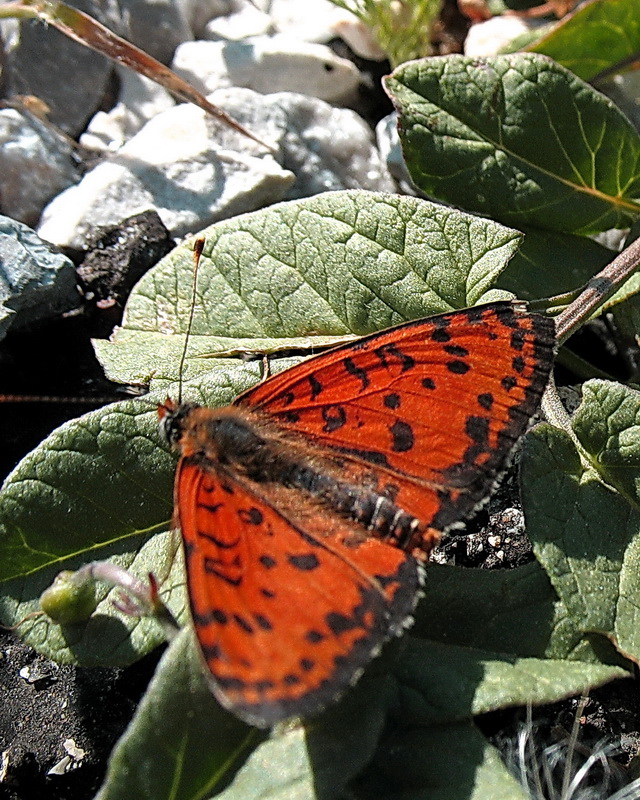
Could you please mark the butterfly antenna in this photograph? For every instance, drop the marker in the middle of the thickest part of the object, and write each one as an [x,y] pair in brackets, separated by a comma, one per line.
[198,247]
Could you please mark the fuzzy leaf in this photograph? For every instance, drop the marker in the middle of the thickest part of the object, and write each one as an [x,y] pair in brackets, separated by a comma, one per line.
[304,274]
[586,532]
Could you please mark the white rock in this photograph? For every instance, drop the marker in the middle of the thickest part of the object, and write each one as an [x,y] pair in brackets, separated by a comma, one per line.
[199,12]
[358,36]
[390,149]
[247,21]
[327,148]
[311,20]
[183,164]
[35,164]
[267,64]
[488,38]
[140,100]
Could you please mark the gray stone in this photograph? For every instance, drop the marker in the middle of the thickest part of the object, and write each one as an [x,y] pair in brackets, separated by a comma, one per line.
[310,21]
[156,27]
[36,163]
[247,21]
[36,281]
[70,78]
[328,148]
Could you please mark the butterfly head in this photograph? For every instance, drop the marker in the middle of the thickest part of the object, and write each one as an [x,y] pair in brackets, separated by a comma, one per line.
[172,418]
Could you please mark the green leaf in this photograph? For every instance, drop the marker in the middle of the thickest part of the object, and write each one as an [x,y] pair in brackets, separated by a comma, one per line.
[108,637]
[594,38]
[304,274]
[97,480]
[448,762]
[320,759]
[442,683]
[520,139]
[550,263]
[180,744]
[451,762]
[513,611]
[582,513]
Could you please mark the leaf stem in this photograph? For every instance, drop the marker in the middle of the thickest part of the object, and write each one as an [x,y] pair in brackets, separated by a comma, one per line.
[599,289]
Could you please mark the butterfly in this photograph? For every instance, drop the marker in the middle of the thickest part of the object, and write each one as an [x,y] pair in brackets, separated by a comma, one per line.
[308,506]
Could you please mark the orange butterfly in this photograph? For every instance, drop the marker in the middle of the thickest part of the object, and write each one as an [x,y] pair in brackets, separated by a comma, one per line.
[308,505]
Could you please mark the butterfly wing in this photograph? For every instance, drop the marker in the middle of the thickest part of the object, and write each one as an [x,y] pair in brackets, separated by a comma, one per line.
[430,410]
[287,613]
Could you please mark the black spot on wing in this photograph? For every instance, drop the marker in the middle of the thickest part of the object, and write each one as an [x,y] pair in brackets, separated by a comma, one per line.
[486,400]
[263,622]
[370,456]
[456,350]
[251,516]
[315,385]
[306,562]
[402,436]
[458,367]
[340,623]
[242,623]
[334,418]
[518,364]
[390,354]
[353,369]
[392,401]
[518,339]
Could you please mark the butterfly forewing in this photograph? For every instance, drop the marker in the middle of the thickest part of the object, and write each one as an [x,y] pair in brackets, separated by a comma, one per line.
[432,407]
[287,612]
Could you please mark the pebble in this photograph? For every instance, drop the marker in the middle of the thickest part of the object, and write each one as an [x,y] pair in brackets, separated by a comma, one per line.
[309,21]
[269,71]
[184,164]
[36,281]
[329,148]
[268,64]
[139,100]
[36,163]
[490,37]
[247,21]
[390,149]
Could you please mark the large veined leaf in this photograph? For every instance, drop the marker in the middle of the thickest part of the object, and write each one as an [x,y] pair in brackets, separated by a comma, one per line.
[520,139]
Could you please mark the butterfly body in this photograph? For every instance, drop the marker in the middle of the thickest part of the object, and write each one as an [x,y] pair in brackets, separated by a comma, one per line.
[307,505]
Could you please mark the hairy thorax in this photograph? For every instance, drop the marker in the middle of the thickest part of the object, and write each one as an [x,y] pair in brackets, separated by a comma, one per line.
[254,447]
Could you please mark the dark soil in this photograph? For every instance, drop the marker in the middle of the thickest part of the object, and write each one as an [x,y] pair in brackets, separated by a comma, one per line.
[46,705]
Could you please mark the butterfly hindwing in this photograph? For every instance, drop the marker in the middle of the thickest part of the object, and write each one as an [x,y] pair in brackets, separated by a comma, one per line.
[433,407]
[287,613]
